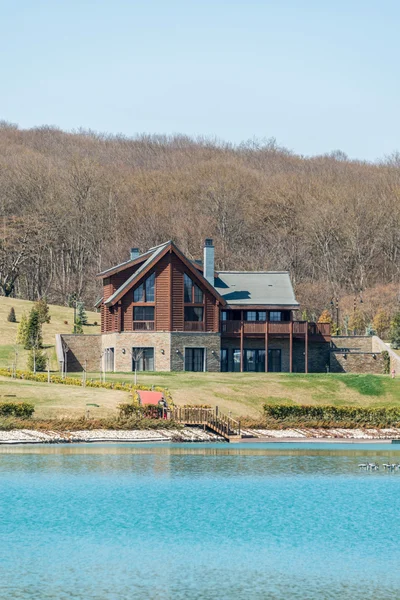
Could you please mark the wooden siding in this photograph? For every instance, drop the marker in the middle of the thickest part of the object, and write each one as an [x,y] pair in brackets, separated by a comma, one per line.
[177,294]
[163,293]
[169,299]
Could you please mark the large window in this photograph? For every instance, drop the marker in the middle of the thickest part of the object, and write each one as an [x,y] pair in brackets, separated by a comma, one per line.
[143,313]
[192,292]
[145,291]
[275,315]
[194,359]
[143,359]
[194,313]
[254,360]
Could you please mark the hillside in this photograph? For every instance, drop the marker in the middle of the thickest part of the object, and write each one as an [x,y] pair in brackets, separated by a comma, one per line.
[62,319]
[73,204]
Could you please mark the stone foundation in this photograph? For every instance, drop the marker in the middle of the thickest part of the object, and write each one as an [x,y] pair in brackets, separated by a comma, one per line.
[211,342]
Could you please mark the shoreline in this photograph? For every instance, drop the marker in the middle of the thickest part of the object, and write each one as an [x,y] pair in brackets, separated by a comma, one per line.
[198,434]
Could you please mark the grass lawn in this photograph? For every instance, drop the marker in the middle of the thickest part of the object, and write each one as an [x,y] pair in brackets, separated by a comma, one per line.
[242,394]
[61,401]
[245,393]
[58,314]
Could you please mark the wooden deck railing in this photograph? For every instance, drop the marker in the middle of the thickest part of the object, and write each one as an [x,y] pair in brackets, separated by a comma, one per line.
[224,425]
[275,328]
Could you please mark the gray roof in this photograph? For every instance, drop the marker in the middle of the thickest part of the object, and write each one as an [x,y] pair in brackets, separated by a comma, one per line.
[272,288]
[154,253]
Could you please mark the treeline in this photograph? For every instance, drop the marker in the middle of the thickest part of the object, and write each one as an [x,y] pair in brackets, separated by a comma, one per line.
[73,204]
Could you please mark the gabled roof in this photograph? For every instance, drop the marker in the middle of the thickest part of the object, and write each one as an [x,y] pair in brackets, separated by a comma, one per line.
[125,265]
[154,255]
[269,288]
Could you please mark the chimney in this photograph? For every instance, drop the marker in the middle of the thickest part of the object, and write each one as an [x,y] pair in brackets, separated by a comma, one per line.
[208,263]
[135,252]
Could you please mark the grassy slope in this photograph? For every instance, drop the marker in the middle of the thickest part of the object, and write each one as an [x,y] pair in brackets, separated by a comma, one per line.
[59,314]
[245,393]
[59,401]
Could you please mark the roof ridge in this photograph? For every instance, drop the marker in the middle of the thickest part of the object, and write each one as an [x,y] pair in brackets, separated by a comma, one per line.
[254,272]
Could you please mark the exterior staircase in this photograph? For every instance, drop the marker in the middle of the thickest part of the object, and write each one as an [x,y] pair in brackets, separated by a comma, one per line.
[218,422]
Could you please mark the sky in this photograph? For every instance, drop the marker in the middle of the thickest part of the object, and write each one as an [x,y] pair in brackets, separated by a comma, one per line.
[317,75]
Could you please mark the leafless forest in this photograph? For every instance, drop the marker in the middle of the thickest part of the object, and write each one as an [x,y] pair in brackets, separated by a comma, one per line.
[73,204]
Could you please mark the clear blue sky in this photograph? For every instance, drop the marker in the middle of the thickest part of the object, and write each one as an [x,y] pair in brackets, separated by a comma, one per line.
[317,75]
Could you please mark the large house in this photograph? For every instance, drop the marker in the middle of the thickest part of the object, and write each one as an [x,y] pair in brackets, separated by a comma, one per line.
[161,311]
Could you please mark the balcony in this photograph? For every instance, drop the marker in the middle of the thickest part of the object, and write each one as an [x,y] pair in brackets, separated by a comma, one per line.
[193,326]
[143,326]
[277,328]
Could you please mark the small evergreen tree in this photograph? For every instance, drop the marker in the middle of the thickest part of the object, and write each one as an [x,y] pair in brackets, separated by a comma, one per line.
[43,309]
[34,331]
[395,331]
[81,313]
[11,316]
[78,327]
[22,331]
[37,360]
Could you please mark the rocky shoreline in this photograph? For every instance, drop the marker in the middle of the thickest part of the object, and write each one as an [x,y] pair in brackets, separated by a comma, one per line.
[195,434]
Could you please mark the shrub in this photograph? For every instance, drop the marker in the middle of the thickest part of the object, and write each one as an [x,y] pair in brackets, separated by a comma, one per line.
[386,362]
[332,416]
[395,331]
[16,409]
[65,322]
[11,318]
[95,323]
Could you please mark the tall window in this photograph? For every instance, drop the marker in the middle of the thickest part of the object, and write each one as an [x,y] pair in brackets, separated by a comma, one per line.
[192,292]
[194,359]
[145,291]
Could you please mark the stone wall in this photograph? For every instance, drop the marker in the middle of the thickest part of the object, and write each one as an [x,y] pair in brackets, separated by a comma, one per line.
[181,340]
[352,343]
[362,362]
[82,350]
[124,342]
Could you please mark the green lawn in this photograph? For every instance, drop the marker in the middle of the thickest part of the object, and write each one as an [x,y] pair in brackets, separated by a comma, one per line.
[243,394]
[61,401]
[62,320]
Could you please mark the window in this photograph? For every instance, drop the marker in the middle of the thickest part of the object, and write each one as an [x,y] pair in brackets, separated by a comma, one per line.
[145,291]
[143,313]
[138,294]
[192,292]
[143,359]
[224,360]
[236,360]
[150,281]
[224,315]
[194,359]
[275,315]
[109,359]
[256,315]
[274,361]
[193,313]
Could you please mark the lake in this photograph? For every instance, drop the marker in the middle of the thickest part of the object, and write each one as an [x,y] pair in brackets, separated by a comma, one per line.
[201,521]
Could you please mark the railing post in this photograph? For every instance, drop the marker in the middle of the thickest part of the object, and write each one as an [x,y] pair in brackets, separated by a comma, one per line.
[291,348]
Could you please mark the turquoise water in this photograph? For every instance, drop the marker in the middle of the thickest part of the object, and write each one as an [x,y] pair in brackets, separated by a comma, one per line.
[262,521]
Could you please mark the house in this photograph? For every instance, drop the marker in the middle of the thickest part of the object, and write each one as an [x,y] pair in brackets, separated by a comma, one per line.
[161,311]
